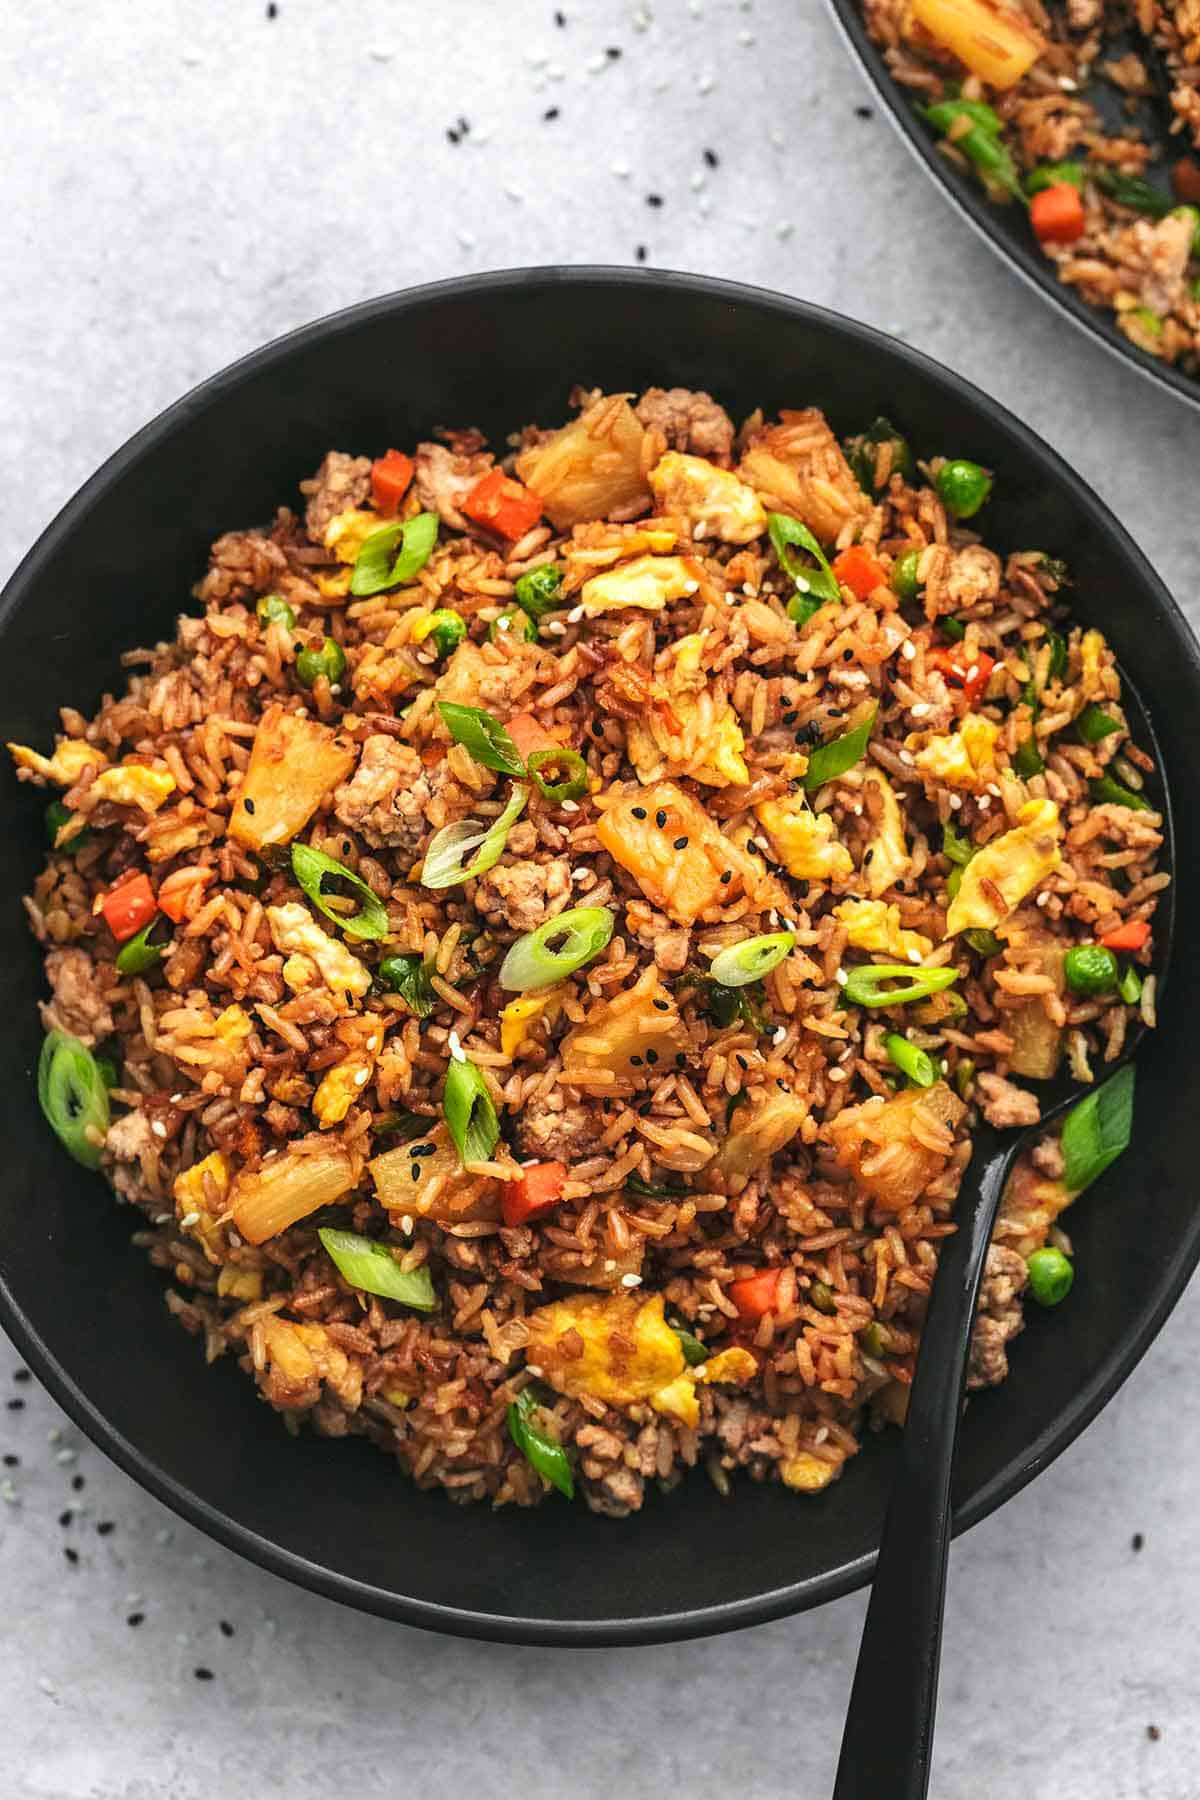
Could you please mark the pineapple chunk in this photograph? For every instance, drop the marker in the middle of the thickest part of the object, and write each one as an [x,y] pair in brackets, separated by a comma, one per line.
[303,1356]
[873,925]
[295,934]
[1031,1204]
[71,757]
[966,758]
[807,1473]
[683,882]
[265,1201]
[343,1084]
[805,842]
[886,859]
[760,1129]
[519,1015]
[712,498]
[999,877]
[295,762]
[200,1200]
[684,730]
[433,1186]
[798,467]
[1037,1040]
[647,582]
[591,468]
[896,1147]
[994,40]
[348,531]
[235,1282]
[628,1034]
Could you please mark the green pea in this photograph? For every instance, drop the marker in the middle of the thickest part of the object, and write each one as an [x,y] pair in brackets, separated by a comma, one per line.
[962,488]
[273,609]
[1091,969]
[1050,1276]
[58,815]
[820,1295]
[329,660]
[536,591]
[512,623]
[446,630]
[904,582]
[1130,987]
[875,1339]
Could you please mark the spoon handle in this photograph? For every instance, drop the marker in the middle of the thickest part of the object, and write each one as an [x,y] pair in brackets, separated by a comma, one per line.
[888,1738]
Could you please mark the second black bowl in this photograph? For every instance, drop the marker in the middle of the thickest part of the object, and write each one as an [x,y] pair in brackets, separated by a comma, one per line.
[85,1308]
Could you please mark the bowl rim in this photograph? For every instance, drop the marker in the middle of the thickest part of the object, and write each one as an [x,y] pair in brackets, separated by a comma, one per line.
[1032,269]
[702,1620]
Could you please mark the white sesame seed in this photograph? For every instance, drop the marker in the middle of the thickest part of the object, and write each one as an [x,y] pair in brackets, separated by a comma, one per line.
[514,193]
[596,64]
[175,1099]
[1067,85]
[455,1048]
[581,873]
[856,809]
[162,1218]
[985,801]
[569,806]
[907,758]
[784,229]
[360,1077]
[641,19]
[914,956]
[631,1281]
[8,1492]
[54,1435]
[837,1074]
[425,656]
[406,1224]
[908,650]
[188,1220]
[235,1242]
[1042,898]
[556,628]
[748,589]
[466,239]
[920,709]
[944,1066]
[777,138]
[955,802]
[993,789]
[779,1034]
[700,529]
[574,616]
[841,977]
[158,1128]
[609,1265]
[698,179]
[972,672]
[689,587]
[706,84]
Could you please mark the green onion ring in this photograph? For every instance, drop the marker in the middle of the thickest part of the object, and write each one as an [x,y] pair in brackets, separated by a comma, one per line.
[573,782]
[312,868]
[533,963]
[740,964]
[372,1267]
[72,1093]
[864,985]
[444,864]
[469,1112]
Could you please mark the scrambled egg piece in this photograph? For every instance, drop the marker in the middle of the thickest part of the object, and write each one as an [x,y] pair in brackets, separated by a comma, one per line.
[999,876]
[871,925]
[520,1014]
[605,546]
[347,532]
[341,1085]
[620,1349]
[966,758]
[294,933]
[1091,666]
[886,859]
[805,842]
[647,582]
[300,1357]
[334,587]
[133,784]
[71,757]
[807,1473]
[683,732]
[709,497]
[196,1212]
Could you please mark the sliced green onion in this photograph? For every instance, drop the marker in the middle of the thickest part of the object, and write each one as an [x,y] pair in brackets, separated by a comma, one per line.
[750,960]
[983,942]
[1028,759]
[579,934]
[536,591]
[875,1338]
[512,623]
[1050,1275]
[445,866]
[273,609]
[109,1073]
[408,976]
[865,985]
[942,114]
[862,453]
[445,628]
[329,660]
[469,1111]
[952,628]
[815,585]
[956,845]
[694,1352]
[1110,792]
[1130,986]
[483,735]
[982,144]
[72,1093]
[1132,191]
[138,954]
[1094,724]
[727,1006]
[1097,1130]
[1058,646]
[58,815]
[828,761]
[910,1060]
[374,569]
[545,1455]
[1048,175]
[312,868]
[568,765]
[372,1267]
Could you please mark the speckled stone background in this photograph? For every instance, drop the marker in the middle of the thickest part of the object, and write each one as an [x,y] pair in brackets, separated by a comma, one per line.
[180,181]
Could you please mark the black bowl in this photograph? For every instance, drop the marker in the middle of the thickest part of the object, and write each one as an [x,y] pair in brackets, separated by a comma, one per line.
[86,1309]
[1006,228]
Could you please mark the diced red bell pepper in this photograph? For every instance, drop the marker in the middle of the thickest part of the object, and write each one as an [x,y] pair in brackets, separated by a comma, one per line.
[755,1295]
[1133,935]
[971,677]
[500,504]
[528,735]
[1056,214]
[538,1190]
[391,477]
[128,906]
[857,569]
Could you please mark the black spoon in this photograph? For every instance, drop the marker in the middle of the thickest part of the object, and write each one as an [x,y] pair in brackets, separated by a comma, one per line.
[887,1742]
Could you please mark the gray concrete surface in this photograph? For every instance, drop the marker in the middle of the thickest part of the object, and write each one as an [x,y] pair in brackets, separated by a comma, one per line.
[180,181]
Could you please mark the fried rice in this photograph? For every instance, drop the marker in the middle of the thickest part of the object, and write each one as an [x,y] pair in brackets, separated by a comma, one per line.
[1131,242]
[704,1225]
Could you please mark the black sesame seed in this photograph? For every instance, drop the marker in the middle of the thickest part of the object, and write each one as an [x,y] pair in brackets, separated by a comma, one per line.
[416,1171]
[452,135]
[662,1005]
[551,112]
[645,1109]
[847,656]
[640,253]
[802,888]
[741,1062]
[654,199]
[651,1057]
[680,1060]
[225,1628]
[72,1556]
[249,805]
[135,1619]
[789,718]
[711,158]
[660,819]
[347,846]
[867,855]
[203,1674]
[639,812]
[636,1061]
[105,1527]
[726,877]
[837,712]
[681,843]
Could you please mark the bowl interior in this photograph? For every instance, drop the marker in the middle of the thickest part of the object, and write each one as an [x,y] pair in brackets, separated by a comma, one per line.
[114,570]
